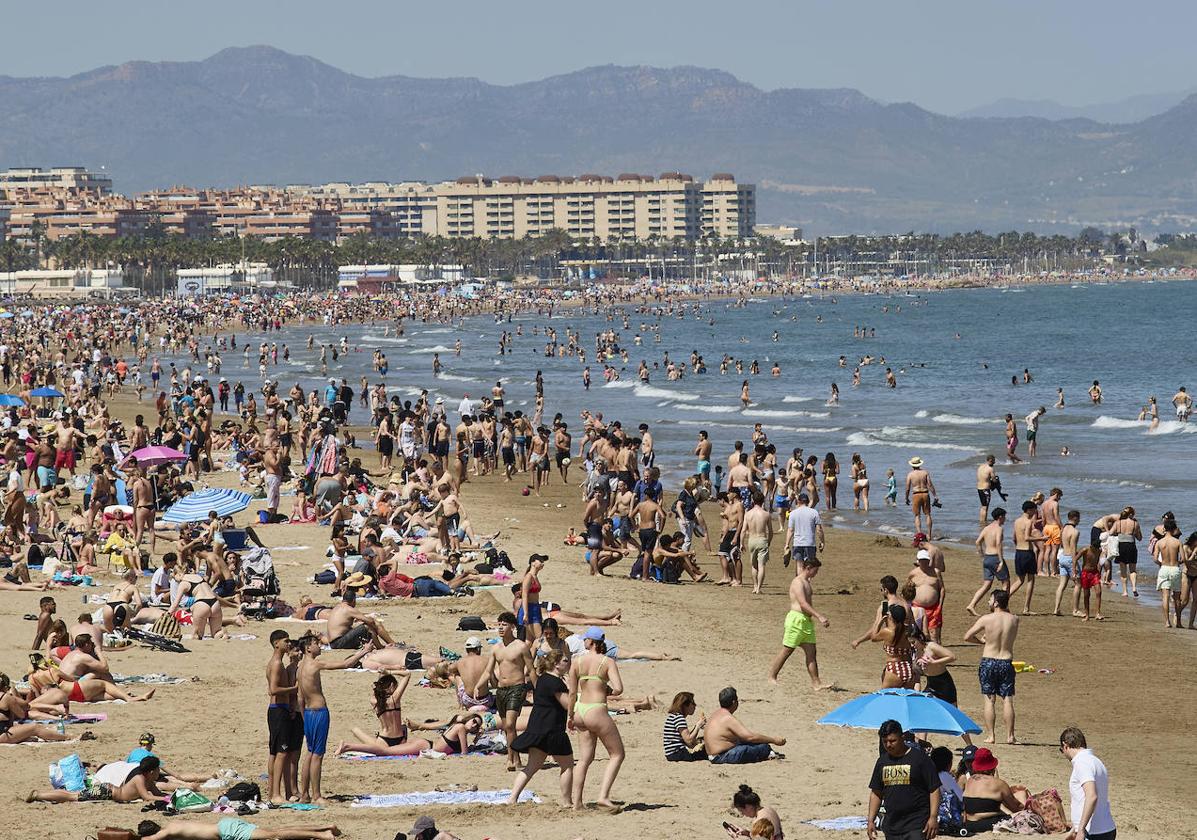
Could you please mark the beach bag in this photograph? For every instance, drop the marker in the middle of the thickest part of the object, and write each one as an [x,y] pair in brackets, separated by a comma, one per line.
[168,626]
[951,812]
[471,622]
[244,792]
[1050,809]
[326,576]
[67,774]
[187,801]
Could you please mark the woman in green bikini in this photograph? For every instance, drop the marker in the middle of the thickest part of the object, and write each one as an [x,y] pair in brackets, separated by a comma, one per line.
[593,677]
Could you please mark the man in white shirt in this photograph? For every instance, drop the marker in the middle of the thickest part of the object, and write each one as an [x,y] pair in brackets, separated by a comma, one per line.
[465,408]
[1088,790]
[802,528]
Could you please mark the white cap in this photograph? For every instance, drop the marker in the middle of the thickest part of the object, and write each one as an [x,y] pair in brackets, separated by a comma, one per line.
[923,554]
[473,643]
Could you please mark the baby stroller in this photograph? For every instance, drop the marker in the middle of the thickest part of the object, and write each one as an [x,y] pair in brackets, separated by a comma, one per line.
[260,588]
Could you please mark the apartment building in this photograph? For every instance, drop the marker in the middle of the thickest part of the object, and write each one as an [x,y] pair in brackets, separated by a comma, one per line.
[630,206]
[59,177]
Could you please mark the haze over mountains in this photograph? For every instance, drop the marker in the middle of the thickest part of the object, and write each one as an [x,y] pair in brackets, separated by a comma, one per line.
[1128,110]
[830,160]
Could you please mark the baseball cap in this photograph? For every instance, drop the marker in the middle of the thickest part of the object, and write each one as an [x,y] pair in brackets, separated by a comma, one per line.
[595,634]
[473,643]
[919,539]
[923,554]
[423,824]
[146,738]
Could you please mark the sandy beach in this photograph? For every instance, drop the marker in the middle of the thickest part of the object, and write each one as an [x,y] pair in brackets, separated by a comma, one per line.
[1115,679]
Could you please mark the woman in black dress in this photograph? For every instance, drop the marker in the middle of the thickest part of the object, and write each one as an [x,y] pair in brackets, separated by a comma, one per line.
[546,733]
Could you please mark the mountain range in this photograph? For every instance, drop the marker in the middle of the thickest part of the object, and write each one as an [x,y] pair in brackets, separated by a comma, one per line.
[1128,110]
[829,160]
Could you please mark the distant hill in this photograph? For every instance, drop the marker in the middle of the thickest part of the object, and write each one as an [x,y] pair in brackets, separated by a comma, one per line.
[830,160]
[1131,109]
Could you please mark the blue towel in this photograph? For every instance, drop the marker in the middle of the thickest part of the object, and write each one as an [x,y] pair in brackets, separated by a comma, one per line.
[840,824]
[437,797]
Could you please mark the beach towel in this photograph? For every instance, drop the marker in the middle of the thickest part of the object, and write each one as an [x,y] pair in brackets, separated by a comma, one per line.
[438,797]
[840,824]
[357,756]
[147,679]
[69,720]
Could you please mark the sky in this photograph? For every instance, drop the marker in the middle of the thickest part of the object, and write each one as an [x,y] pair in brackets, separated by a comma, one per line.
[946,55]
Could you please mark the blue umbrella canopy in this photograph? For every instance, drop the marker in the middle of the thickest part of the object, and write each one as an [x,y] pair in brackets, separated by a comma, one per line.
[10,399]
[195,508]
[916,711]
[45,391]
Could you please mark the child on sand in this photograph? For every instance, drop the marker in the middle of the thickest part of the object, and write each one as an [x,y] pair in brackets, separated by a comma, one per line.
[1089,562]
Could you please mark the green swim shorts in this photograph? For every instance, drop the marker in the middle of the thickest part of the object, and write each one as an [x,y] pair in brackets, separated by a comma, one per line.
[800,630]
[231,828]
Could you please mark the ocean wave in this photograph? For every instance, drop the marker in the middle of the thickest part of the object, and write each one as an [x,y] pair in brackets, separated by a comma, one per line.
[794,430]
[436,348]
[957,420]
[438,330]
[867,439]
[367,340]
[1164,427]
[793,399]
[452,377]
[768,413]
[620,383]
[709,409]
[922,412]
[662,393]
[1124,482]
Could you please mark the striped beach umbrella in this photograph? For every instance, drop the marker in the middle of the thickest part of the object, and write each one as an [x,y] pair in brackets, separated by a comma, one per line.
[195,508]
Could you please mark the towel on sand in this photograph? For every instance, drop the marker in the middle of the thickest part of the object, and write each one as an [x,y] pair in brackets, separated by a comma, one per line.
[438,797]
[840,824]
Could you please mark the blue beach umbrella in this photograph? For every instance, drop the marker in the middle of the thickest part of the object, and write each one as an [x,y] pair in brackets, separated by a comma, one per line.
[195,508]
[916,711]
[45,391]
[7,400]
[6,315]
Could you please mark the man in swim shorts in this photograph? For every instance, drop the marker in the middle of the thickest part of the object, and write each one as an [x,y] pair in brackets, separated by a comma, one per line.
[1065,562]
[996,632]
[231,828]
[702,451]
[1026,541]
[993,563]
[799,628]
[315,712]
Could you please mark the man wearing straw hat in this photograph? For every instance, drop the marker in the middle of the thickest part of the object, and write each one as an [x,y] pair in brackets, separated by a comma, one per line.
[920,491]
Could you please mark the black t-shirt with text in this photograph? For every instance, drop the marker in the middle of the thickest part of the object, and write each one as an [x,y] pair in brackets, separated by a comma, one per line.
[905,785]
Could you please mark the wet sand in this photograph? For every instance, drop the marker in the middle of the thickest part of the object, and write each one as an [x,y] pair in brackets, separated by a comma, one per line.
[1124,681]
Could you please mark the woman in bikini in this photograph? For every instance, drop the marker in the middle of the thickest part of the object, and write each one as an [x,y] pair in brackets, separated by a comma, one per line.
[860,484]
[205,608]
[54,691]
[123,604]
[388,700]
[831,479]
[456,739]
[891,632]
[14,708]
[530,595]
[593,677]
[1127,533]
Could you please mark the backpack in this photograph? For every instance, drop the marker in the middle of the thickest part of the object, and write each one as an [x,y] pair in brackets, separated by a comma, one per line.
[471,622]
[951,812]
[244,792]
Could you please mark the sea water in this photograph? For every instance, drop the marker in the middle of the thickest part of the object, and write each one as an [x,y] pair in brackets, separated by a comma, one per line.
[953,353]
